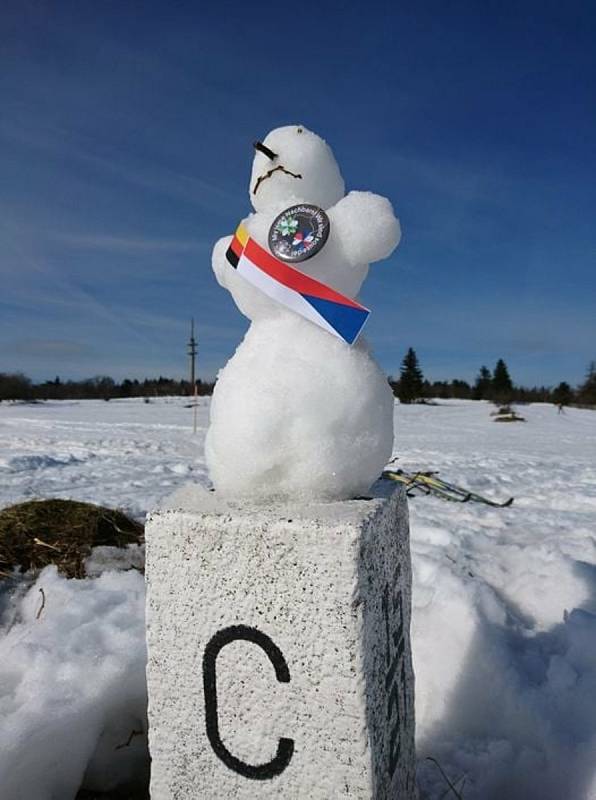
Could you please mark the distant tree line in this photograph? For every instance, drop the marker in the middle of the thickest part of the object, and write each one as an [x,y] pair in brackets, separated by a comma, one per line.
[16,386]
[410,387]
[497,386]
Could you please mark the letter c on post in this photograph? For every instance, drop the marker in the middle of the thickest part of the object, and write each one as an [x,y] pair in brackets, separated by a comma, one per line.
[285,747]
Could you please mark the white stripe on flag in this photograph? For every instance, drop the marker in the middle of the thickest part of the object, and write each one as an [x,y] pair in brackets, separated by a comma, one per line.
[282,294]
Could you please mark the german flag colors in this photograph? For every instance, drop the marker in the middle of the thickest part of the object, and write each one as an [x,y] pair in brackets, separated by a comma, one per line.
[237,245]
[330,310]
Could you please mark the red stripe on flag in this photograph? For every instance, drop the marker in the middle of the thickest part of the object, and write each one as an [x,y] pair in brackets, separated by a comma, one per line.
[236,246]
[292,278]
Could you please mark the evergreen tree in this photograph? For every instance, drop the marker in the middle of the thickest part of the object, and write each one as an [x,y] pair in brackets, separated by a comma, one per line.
[563,394]
[14,386]
[587,391]
[411,378]
[483,384]
[460,389]
[502,386]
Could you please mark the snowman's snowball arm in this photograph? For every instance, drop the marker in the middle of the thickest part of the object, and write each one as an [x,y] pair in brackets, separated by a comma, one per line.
[219,261]
[366,226]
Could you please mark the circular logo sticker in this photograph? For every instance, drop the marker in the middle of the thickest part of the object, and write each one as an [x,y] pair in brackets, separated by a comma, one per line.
[298,233]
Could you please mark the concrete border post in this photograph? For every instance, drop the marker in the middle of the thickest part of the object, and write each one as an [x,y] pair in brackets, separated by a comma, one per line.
[279,650]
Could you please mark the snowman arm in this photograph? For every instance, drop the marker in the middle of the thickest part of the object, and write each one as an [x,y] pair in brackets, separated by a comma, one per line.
[219,261]
[366,226]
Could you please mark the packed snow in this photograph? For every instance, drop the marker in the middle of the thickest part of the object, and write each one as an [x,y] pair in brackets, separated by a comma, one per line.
[72,686]
[504,618]
[305,415]
[263,414]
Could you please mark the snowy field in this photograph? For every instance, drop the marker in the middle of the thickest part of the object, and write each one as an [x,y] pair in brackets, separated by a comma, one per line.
[504,627]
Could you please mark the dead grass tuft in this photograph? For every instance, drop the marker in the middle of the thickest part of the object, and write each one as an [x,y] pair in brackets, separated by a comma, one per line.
[61,532]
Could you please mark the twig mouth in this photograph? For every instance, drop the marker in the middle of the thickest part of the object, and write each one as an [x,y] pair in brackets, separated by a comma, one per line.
[268,174]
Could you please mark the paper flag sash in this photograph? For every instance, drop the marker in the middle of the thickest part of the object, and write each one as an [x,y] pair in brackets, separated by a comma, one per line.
[332,311]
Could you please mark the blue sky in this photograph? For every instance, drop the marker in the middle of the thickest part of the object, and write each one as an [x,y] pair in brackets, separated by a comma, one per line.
[125,141]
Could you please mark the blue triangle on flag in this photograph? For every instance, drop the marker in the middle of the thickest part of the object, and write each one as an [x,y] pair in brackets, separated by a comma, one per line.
[347,320]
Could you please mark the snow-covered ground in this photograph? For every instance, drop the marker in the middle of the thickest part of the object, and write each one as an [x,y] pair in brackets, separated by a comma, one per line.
[504,627]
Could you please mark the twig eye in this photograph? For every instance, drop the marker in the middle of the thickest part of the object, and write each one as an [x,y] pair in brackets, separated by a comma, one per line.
[265,150]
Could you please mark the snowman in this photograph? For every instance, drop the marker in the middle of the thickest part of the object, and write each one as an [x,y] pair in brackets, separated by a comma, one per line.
[299,412]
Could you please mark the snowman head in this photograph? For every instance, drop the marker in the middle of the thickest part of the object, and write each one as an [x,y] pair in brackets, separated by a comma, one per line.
[291,165]
[294,166]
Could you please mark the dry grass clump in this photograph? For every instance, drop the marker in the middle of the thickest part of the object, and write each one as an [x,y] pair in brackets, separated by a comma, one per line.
[61,532]
[507,414]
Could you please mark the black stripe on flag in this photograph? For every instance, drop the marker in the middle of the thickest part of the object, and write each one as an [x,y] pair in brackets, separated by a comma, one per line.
[232,257]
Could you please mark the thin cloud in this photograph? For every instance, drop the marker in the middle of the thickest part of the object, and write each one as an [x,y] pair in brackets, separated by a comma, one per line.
[124,244]
[48,348]
[163,180]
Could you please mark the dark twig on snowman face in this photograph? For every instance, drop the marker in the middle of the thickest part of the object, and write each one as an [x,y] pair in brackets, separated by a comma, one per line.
[262,148]
[270,173]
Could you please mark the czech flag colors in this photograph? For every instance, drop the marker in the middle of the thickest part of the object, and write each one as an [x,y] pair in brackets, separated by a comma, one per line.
[330,310]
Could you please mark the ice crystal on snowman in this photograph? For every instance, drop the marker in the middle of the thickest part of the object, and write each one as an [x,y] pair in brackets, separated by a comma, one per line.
[298,411]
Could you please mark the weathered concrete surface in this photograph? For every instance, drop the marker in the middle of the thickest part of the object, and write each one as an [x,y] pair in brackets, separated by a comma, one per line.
[279,651]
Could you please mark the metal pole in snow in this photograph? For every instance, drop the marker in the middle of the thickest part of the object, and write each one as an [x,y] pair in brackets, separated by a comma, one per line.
[192,352]
[194,410]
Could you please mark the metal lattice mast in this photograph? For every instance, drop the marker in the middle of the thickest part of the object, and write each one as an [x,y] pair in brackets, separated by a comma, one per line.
[192,352]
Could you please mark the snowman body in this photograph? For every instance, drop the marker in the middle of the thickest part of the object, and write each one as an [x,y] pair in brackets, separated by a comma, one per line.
[297,412]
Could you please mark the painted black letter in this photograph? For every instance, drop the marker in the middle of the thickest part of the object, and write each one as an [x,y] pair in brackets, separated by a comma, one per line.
[285,747]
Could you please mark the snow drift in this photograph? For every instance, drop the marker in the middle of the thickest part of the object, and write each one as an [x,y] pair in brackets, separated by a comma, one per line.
[72,686]
[504,615]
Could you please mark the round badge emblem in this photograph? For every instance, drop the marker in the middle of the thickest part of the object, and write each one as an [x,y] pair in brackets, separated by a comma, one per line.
[298,233]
